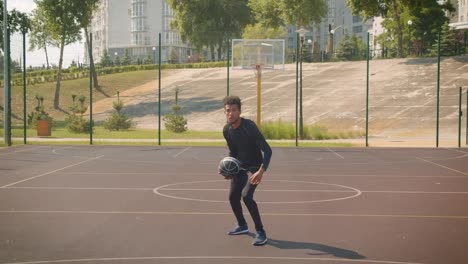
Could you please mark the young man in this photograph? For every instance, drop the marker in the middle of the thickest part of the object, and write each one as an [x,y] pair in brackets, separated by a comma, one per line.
[246,144]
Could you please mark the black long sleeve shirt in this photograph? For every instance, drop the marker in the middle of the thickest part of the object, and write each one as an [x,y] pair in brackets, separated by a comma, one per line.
[246,143]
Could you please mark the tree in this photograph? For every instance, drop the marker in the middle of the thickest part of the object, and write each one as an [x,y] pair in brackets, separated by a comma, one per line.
[351,48]
[84,15]
[17,21]
[105,59]
[276,13]
[448,42]
[126,58]
[173,55]
[210,23]
[396,14]
[62,22]
[259,31]
[40,35]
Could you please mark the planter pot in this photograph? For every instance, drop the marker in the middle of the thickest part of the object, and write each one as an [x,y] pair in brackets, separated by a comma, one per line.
[44,128]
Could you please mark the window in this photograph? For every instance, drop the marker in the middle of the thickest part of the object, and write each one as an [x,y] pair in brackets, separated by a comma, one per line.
[138,9]
[357,29]
[356,19]
[138,24]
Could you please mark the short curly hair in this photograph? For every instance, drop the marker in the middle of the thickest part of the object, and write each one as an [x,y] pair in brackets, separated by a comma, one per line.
[232,100]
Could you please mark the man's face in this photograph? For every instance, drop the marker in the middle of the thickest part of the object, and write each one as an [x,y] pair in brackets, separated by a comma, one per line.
[232,113]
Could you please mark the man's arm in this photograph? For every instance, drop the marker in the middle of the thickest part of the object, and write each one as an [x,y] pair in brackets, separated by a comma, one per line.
[232,148]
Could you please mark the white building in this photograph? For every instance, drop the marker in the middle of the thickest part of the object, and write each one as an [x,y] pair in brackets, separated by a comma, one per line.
[459,20]
[134,25]
[339,19]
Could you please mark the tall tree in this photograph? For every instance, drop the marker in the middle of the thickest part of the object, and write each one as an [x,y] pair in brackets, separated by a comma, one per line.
[84,16]
[275,13]
[387,8]
[259,31]
[62,22]
[397,13]
[210,23]
[40,36]
[17,21]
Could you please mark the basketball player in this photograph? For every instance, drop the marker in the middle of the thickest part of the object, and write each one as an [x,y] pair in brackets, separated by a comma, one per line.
[246,144]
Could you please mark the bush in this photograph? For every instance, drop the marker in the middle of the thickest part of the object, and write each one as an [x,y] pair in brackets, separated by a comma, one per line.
[118,120]
[76,123]
[174,122]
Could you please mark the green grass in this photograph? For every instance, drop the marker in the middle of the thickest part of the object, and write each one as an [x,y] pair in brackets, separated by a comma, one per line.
[286,130]
[61,131]
[109,84]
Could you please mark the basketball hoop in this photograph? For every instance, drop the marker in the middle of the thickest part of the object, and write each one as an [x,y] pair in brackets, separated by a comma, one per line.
[257,69]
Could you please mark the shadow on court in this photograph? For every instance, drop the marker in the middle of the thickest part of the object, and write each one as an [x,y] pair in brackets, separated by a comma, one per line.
[320,248]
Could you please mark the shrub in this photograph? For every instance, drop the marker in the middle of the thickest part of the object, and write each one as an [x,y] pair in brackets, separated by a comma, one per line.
[175,122]
[76,123]
[118,120]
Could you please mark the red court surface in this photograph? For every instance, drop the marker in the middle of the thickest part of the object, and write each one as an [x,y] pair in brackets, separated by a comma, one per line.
[114,204]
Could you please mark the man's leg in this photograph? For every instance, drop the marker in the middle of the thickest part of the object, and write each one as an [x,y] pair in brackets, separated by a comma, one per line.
[237,184]
[247,195]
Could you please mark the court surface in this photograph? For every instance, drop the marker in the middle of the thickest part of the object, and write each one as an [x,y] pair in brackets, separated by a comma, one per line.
[115,204]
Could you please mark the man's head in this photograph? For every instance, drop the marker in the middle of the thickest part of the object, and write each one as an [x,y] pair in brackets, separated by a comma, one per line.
[232,109]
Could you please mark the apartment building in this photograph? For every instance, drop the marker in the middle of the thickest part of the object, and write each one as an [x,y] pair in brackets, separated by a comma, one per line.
[134,25]
[340,20]
[459,19]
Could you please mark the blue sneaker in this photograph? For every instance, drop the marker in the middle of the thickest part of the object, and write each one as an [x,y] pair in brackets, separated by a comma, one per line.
[239,230]
[260,239]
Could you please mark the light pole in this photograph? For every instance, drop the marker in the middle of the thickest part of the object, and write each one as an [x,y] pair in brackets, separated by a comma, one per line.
[409,36]
[331,45]
[154,55]
[302,31]
[309,51]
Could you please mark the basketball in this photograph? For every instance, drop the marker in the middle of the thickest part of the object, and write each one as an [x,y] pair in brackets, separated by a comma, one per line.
[229,166]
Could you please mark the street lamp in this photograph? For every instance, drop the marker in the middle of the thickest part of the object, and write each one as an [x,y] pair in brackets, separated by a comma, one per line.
[331,45]
[154,55]
[302,31]
[409,36]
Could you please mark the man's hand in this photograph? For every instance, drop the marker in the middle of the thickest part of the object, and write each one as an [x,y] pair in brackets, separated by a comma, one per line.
[256,178]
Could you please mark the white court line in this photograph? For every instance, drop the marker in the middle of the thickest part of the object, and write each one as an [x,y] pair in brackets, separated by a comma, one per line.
[55,150]
[442,166]
[21,150]
[230,214]
[50,172]
[219,190]
[175,156]
[335,153]
[285,259]
[80,188]
[270,174]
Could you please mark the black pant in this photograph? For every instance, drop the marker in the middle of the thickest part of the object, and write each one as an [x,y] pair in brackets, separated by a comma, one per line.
[242,188]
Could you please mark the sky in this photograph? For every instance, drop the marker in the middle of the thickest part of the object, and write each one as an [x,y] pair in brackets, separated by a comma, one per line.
[38,58]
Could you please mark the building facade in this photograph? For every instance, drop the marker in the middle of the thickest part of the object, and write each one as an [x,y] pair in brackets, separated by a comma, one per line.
[338,20]
[133,26]
[459,19]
